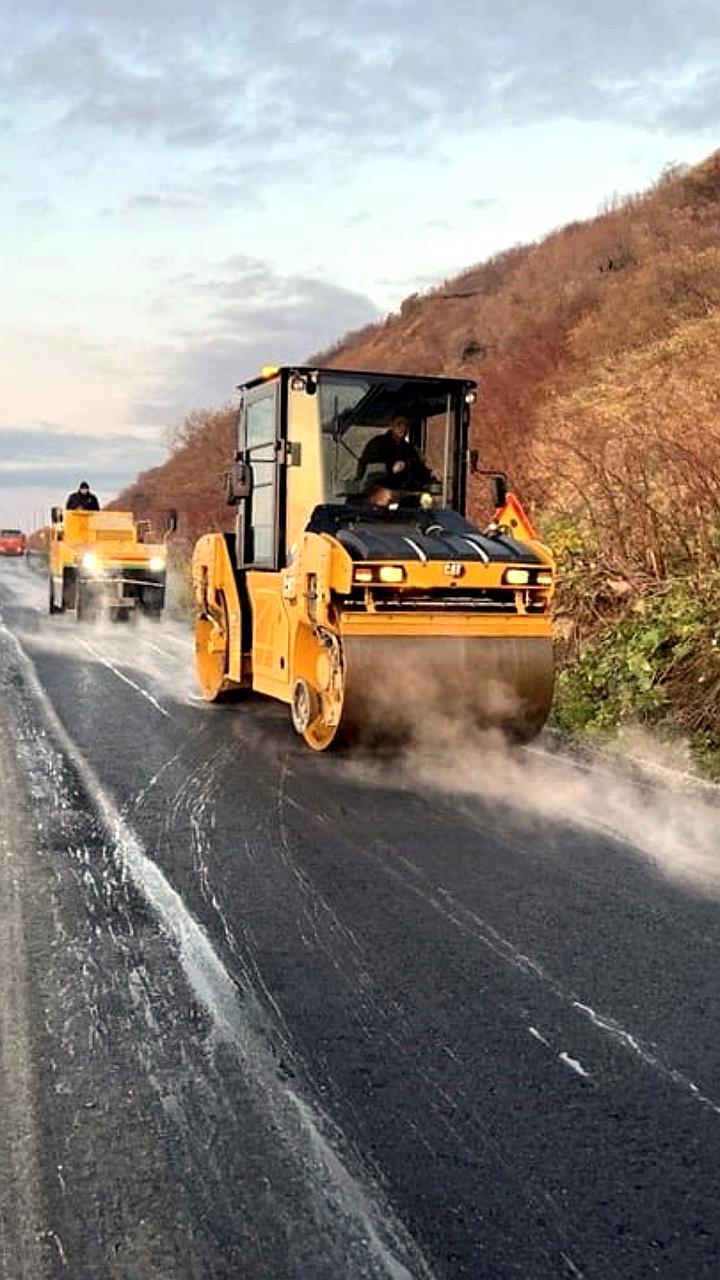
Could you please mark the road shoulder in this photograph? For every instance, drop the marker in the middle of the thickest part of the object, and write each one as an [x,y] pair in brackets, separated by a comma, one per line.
[30,1245]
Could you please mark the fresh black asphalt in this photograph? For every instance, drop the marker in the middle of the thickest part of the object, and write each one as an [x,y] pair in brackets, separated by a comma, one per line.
[359,1025]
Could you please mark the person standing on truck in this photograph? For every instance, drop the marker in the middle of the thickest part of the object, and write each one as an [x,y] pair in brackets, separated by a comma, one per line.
[82,499]
[393,449]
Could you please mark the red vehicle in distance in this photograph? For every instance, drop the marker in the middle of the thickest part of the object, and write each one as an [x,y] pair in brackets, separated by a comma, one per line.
[12,542]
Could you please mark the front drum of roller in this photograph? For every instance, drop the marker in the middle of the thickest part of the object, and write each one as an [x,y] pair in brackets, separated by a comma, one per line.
[399,687]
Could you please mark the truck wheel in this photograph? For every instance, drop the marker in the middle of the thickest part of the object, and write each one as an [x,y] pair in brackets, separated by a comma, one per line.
[69,590]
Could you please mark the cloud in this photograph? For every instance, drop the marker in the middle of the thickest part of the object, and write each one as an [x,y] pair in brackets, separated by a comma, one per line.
[373,73]
[414,283]
[178,97]
[222,186]
[486,204]
[38,207]
[168,198]
[258,316]
[359,219]
[52,458]
[697,108]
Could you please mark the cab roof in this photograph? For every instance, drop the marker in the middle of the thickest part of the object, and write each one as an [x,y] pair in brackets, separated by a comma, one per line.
[270,372]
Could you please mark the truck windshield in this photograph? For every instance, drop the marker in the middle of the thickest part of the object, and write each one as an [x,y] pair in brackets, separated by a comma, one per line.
[399,432]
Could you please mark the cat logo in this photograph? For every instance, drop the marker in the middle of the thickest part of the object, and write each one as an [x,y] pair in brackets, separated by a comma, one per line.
[453,569]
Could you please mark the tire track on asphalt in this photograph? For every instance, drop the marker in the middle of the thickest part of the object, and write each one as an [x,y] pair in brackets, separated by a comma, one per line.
[446,904]
[340,1192]
[386,1016]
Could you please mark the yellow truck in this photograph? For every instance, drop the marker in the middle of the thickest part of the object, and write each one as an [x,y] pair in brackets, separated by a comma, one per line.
[99,562]
[355,588]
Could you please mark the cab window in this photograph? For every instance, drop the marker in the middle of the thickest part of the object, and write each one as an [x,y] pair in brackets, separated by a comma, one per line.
[260,419]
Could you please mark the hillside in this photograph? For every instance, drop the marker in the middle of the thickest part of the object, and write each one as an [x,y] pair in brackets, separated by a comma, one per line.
[595,351]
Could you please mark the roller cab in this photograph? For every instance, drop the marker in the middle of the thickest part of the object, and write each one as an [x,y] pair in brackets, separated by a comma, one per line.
[355,588]
[99,561]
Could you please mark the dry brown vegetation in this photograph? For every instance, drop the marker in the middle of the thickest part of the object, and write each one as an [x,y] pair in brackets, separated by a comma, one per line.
[592,349]
[190,482]
[595,351]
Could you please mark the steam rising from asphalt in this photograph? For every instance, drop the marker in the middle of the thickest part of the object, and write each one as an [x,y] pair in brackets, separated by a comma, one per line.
[650,810]
[158,653]
[676,831]
[642,803]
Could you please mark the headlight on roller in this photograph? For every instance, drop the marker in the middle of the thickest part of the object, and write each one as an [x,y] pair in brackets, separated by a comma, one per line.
[516,577]
[90,562]
[544,578]
[386,573]
[157,564]
[391,573]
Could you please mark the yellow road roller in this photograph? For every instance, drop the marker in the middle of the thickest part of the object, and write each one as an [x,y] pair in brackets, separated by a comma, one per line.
[354,587]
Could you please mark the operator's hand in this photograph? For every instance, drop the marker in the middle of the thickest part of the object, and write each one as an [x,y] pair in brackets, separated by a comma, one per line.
[397,467]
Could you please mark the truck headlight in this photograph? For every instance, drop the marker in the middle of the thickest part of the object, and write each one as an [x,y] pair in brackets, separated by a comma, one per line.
[157,564]
[516,577]
[90,562]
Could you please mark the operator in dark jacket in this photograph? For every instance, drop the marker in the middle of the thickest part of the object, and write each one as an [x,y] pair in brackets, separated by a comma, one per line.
[82,499]
[404,467]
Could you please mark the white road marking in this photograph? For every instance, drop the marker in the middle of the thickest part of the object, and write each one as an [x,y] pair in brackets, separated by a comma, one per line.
[126,679]
[468,922]
[636,1046]
[165,653]
[242,1023]
[574,1064]
[580,1275]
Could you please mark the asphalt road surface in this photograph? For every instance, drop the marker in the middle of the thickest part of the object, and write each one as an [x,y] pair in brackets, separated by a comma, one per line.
[270,1015]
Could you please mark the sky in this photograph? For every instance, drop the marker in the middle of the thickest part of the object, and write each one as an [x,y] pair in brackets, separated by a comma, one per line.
[194,188]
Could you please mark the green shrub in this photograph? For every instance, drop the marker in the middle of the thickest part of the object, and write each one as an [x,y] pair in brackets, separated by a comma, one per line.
[657,663]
